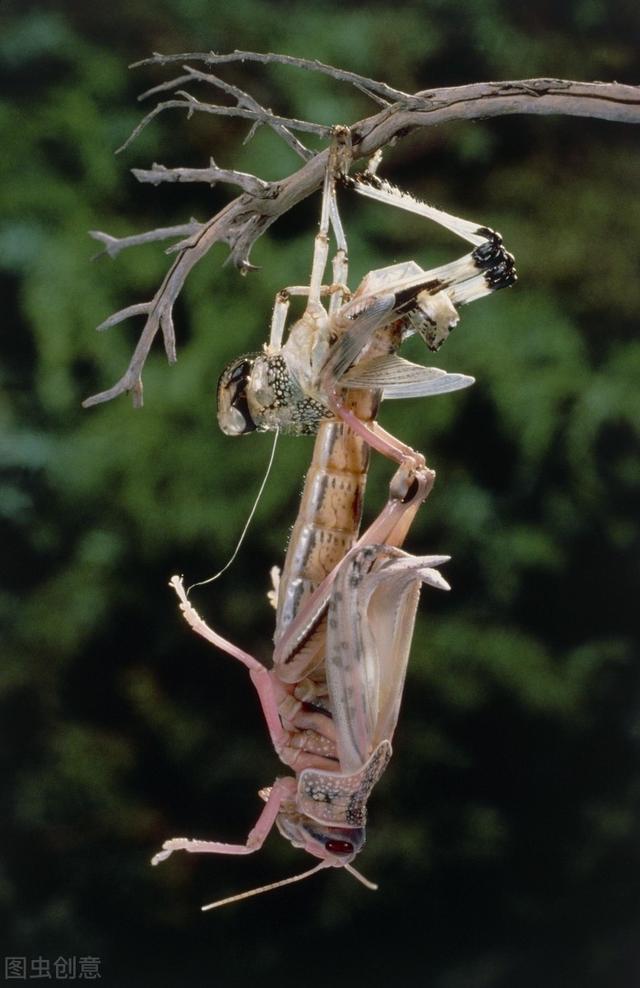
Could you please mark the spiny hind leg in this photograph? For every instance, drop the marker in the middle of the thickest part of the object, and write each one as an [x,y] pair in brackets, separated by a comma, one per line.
[369,184]
[489,255]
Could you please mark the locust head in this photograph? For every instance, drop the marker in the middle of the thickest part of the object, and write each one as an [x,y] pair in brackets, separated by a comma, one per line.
[337,846]
[258,392]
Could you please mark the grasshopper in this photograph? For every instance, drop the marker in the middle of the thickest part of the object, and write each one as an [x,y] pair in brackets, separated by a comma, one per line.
[345,605]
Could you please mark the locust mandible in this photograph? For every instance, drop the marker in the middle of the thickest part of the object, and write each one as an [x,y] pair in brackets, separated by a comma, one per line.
[346,606]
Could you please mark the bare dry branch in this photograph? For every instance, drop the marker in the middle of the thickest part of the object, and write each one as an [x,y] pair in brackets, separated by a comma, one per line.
[113,245]
[242,221]
[192,105]
[140,309]
[211,175]
[243,98]
[366,85]
[159,309]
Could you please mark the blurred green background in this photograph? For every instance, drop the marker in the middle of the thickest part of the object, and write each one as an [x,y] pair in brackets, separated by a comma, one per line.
[504,835]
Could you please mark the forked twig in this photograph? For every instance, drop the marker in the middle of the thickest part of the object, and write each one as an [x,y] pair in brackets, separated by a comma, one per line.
[192,105]
[312,64]
[242,221]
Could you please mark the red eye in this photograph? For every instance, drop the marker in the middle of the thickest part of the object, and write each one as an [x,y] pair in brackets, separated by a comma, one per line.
[339,846]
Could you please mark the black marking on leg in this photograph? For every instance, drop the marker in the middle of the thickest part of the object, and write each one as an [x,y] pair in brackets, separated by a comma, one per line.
[496,262]
[361,178]
[488,233]
[487,254]
[503,274]
[405,299]
[411,493]
[315,708]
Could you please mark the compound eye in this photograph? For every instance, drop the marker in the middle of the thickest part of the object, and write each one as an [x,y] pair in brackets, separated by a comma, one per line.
[338,846]
[234,416]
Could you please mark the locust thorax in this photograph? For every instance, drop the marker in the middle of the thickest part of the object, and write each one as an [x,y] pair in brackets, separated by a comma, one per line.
[336,845]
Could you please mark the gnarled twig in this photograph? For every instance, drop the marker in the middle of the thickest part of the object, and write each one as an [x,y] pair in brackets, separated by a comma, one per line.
[113,245]
[192,105]
[369,86]
[211,175]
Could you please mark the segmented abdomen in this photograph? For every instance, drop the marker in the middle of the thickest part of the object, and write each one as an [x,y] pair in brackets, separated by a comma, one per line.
[330,510]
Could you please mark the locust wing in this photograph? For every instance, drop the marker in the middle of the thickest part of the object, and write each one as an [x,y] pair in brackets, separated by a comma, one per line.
[356,323]
[399,378]
[394,376]
[369,630]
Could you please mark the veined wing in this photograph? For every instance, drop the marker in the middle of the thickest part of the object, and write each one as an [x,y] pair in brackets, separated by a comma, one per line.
[399,378]
[370,625]
[358,327]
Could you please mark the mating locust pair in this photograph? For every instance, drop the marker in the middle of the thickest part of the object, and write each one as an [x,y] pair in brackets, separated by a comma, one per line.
[345,604]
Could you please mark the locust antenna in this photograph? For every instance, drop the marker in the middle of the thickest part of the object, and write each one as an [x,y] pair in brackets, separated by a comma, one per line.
[365,881]
[202,583]
[269,888]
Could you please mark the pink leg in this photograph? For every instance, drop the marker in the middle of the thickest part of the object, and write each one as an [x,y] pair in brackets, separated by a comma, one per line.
[374,435]
[259,675]
[282,789]
[407,490]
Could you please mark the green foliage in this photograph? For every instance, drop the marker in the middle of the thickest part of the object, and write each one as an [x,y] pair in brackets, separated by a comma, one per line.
[504,835]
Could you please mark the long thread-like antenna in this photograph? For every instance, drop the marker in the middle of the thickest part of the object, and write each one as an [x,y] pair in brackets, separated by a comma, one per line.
[365,881]
[202,583]
[289,881]
[267,888]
